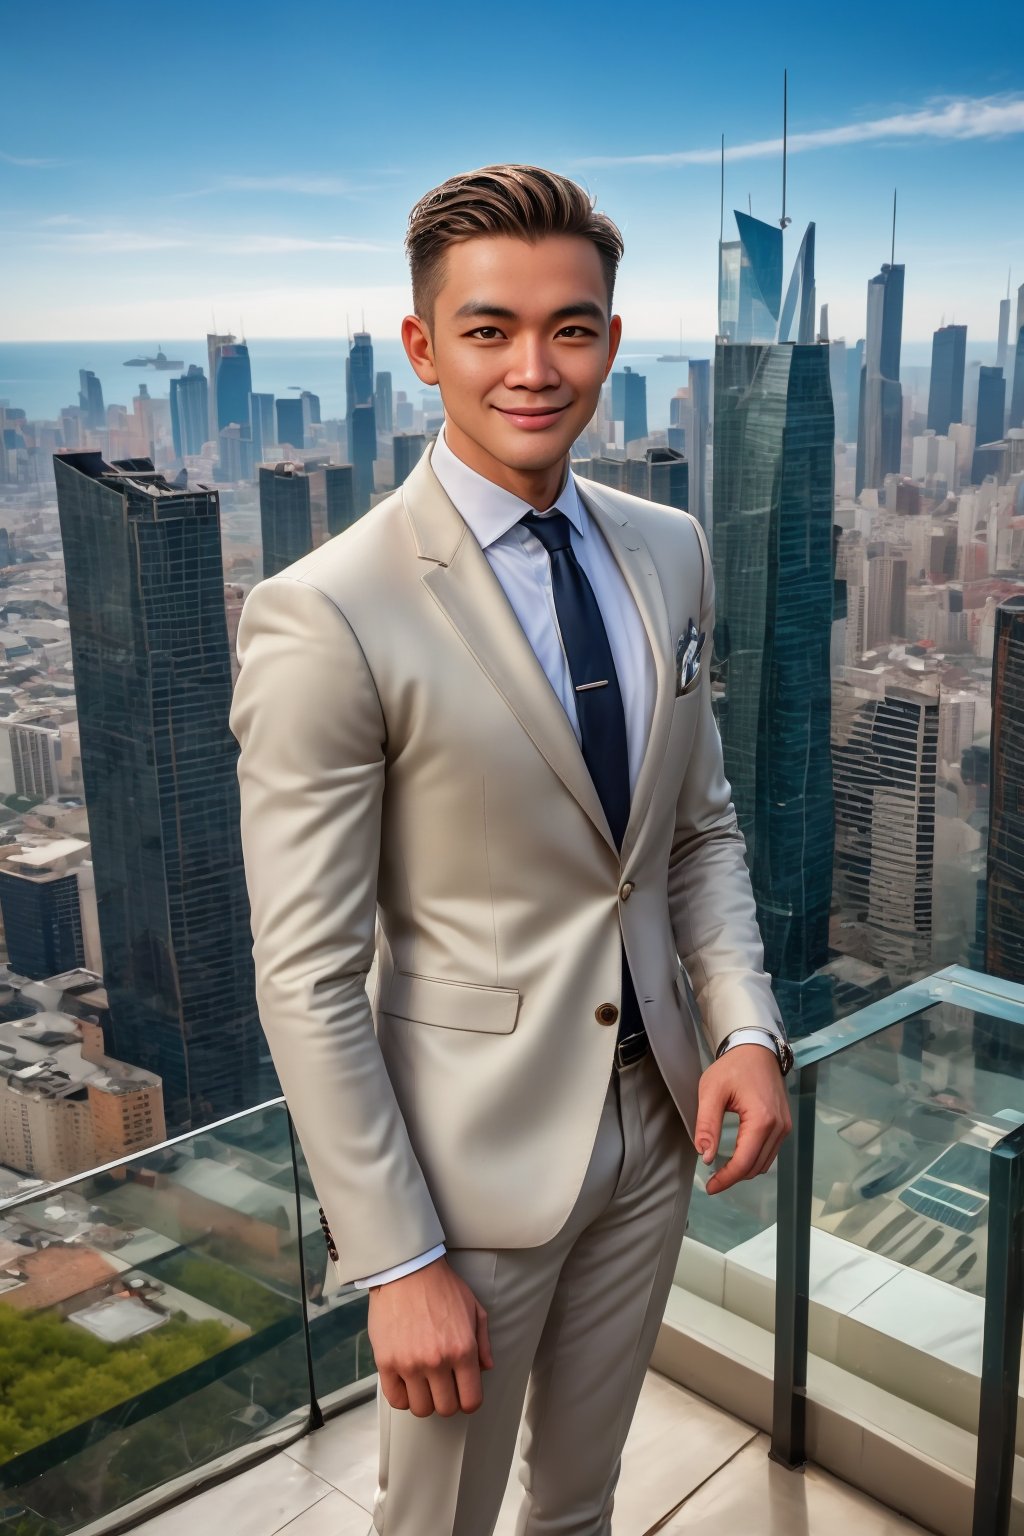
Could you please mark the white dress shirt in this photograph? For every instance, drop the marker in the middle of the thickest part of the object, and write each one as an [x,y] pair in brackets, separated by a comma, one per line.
[523,567]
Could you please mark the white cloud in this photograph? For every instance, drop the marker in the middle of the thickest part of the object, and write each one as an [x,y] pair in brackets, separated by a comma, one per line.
[30,162]
[959,118]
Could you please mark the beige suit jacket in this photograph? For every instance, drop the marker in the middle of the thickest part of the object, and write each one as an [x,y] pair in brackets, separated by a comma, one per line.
[411,788]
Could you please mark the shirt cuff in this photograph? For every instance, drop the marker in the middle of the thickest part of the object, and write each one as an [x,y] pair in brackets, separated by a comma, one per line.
[398,1270]
[750,1037]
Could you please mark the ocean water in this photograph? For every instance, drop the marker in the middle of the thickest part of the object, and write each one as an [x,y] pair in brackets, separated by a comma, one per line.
[41,377]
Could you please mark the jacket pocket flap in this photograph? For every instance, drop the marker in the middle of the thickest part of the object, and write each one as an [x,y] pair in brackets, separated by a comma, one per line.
[454,1004]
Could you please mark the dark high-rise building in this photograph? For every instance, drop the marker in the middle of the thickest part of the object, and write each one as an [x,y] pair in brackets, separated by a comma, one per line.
[291,429]
[214,342]
[360,371]
[42,920]
[363,431]
[149,642]
[301,506]
[190,411]
[773,564]
[661,475]
[408,449]
[1004,948]
[382,403]
[697,447]
[233,385]
[629,404]
[90,399]
[310,408]
[991,411]
[1016,418]
[946,386]
[261,425]
[880,427]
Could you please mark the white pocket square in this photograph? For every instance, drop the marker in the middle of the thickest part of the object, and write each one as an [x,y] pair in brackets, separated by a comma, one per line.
[688,652]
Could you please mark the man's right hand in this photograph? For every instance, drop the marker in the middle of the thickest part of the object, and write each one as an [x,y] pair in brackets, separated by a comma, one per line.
[429,1339]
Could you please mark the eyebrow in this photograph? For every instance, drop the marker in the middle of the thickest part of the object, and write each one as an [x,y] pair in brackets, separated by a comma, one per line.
[478,308]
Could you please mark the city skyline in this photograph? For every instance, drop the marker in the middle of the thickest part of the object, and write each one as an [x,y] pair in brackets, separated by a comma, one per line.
[293,232]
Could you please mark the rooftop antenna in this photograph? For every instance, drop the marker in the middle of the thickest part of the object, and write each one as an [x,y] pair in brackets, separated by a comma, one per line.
[1009,274]
[721,204]
[750,205]
[893,257]
[785,137]
[348,330]
[362,319]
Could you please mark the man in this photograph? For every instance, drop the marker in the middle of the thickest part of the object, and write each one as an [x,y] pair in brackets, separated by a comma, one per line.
[483,715]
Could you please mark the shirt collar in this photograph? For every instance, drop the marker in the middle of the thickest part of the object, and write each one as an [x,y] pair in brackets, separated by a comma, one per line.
[488,509]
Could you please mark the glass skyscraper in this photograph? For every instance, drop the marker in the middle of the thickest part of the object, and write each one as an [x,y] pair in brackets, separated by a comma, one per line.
[300,507]
[629,404]
[189,411]
[291,426]
[750,281]
[773,564]
[90,398]
[145,591]
[1005,918]
[233,385]
[991,411]
[946,385]
[880,424]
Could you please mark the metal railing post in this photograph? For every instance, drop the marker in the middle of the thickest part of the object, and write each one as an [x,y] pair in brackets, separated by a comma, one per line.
[1004,1320]
[792,1274]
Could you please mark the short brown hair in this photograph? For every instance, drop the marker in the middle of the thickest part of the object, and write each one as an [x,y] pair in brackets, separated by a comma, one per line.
[520,200]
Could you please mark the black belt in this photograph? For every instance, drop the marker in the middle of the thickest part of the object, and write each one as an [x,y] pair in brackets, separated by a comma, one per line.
[631,1048]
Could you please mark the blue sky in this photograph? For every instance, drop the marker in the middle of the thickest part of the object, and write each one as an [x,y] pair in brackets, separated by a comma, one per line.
[163,164]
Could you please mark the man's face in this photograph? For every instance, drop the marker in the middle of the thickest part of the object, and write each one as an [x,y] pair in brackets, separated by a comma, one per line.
[520,346]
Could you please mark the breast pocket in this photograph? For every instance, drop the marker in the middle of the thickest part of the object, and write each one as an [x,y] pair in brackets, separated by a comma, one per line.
[452,1004]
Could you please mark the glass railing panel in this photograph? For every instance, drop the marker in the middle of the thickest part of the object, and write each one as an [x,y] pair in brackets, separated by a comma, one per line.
[913,1095]
[151,1325]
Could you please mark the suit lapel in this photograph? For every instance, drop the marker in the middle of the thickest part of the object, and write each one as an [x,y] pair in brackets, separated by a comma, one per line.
[473,600]
[461,582]
[634,560]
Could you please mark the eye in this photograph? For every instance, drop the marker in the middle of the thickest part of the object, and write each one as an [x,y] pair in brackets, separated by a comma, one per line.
[492,331]
[581,330]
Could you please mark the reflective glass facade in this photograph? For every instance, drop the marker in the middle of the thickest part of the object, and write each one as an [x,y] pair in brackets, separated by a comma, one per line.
[152,673]
[1005,915]
[773,563]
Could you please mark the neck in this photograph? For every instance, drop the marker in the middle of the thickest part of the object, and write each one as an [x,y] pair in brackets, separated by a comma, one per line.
[538,487]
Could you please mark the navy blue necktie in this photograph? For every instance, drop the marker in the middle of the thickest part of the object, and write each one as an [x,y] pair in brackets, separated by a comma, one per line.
[599,708]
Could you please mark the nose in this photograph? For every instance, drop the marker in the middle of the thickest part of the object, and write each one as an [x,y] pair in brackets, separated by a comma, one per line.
[531,365]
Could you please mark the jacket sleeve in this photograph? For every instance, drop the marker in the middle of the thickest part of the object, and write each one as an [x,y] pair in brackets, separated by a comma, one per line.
[711,902]
[309,723]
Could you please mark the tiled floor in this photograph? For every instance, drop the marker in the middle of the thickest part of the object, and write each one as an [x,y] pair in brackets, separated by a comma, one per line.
[687,1467]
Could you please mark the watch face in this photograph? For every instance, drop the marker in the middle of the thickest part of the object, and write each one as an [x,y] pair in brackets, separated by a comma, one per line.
[785,1055]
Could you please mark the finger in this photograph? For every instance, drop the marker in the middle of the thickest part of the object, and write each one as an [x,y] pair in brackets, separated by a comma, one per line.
[708,1132]
[483,1339]
[393,1388]
[470,1387]
[444,1392]
[749,1146]
[768,1156]
[421,1404]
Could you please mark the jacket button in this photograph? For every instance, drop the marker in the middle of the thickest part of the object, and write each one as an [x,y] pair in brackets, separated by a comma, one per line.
[606,1013]
[626,889]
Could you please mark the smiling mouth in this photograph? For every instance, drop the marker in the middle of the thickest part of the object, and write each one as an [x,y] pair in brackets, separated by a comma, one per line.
[531,410]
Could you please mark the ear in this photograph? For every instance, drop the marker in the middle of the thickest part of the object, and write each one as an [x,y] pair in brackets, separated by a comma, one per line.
[614,337]
[419,348]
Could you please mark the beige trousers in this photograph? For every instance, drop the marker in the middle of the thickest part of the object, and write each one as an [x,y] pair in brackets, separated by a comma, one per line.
[572,1326]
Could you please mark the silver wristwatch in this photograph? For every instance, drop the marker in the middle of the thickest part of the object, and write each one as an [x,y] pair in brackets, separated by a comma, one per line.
[783,1049]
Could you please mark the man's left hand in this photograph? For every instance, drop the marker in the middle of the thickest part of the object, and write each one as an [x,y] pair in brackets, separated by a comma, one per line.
[748,1081]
